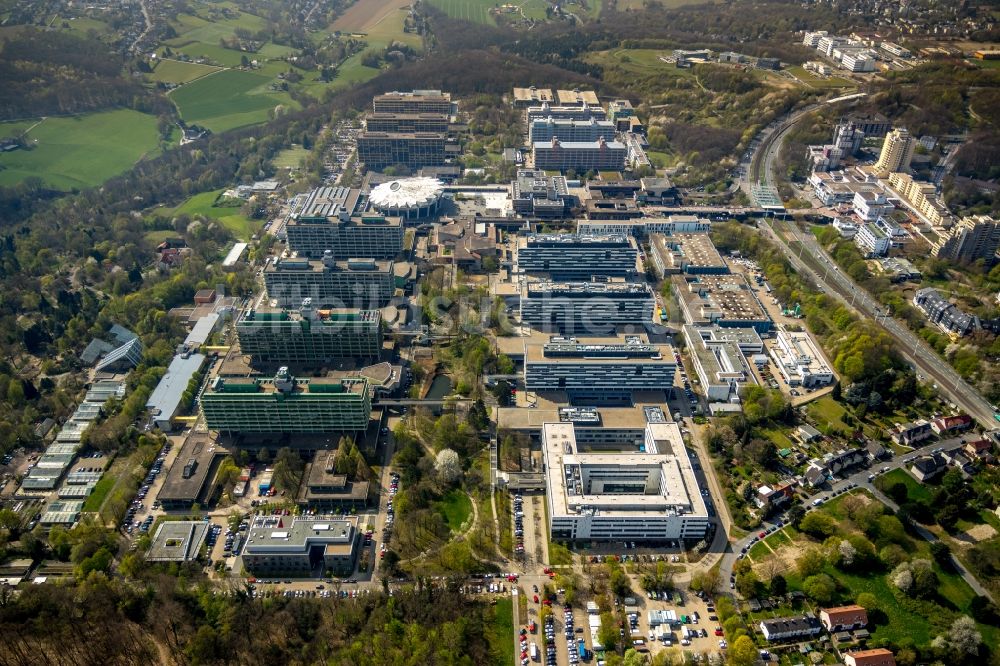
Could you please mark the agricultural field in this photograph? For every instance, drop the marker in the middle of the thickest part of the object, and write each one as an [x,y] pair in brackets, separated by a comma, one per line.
[176,71]
[81,151]
[475,11]
[362,16]
[228,99]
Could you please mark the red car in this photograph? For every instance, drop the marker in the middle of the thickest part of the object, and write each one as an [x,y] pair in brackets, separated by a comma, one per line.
[536,598]
[762,535]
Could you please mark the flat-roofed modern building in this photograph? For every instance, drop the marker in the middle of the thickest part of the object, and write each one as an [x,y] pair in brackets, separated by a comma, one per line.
[526,97]
[577,256]
[309,335]
[378,150]
[333,219]
[651,495]
[286,404]
[585,112]
[580,156]
[546,129]
[646,226]
[800,360]
[416,101]
[694,254]
[354,283]
[538,195]
[603,371]
[300,546]
[726,300]
[719,356]
[177,541]
[407,122]
[586,308]
[577,97]
[323,487]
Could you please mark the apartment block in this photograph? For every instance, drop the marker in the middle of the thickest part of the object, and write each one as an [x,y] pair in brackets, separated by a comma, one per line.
[871,205]
[577,256]
[872,240]
[921,197]
[354,283]
[286,404]
[586,308]
[603,371]
[600,155]
[897,151]
[309,335]
[417,101]
[972,238]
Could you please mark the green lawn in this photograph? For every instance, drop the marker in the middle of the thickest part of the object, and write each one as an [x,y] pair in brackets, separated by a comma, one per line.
[501,632]
[456,508]
[101,490]
[915,491]
[81,151]
[827,411]
[811,79]
[759,551]
[229,216]
[290,158]
[227,100]
[176,71]
[476,11]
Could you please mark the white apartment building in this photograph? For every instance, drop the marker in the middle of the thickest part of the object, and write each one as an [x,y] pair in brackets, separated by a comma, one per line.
[872,240]
[870,206]
[858,62]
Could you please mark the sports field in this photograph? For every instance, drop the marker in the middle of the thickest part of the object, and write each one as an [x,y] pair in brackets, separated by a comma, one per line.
[228,99]
[175,71]
[476,11]
[82,151]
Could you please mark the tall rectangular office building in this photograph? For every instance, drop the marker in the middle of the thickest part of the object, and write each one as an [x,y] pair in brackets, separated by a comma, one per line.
[354,283]
[578,256]
[586,308]
[309,335]
[286,404]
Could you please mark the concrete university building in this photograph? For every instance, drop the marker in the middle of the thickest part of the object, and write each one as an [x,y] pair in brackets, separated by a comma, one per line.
[605,371]
[300,546]
[334,219]
[354,283]
[600,155]
[726,300]
[378,150]
[309,335]
[546,129]
[586,308]
[646,495]
[578,256]
[286,404]
[536,194]
[416,101]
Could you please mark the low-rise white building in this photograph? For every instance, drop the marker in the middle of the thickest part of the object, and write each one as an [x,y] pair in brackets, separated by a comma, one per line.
[719,356]
[800,360]
[870,206]
[647,495]
[872,240]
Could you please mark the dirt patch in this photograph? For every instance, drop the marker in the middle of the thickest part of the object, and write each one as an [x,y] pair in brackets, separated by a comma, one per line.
[781,561]
[976,534]
[365,14]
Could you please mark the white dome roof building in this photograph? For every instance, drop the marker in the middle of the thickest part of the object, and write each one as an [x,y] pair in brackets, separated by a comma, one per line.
[408,198]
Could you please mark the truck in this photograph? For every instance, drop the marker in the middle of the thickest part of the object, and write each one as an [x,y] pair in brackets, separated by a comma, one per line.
[581,649]
[534,652]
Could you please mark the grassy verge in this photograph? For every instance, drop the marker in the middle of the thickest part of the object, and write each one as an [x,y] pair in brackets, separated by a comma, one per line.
[502,501]
[501,631]
[101,490]
[915,491]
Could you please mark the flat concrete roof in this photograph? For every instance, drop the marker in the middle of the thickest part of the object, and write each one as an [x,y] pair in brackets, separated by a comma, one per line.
[177,541]
[201,448]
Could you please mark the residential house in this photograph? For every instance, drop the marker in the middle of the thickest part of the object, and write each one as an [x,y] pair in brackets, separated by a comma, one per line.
[815,475]
[908,434]
[787,628]
[768,496]
[875,657]
[807,433]
[844,618]
[980,448]
[929,467]
[950,424]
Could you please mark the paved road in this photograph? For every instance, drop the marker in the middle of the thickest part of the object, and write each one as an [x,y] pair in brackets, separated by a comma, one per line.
[810,259]
[860,480]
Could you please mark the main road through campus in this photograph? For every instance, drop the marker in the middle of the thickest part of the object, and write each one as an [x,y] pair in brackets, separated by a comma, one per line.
[811,260]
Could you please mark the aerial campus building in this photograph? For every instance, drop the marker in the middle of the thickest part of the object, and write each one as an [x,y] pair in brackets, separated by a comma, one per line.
[800,360]
[599,155]
[586,308]
[416,101]
[720,359]
[407,122]
[538,195]
[286,404]
[604,371]
[378,150]
[578,256]
[354,283]
[408,198]
[337,220]
[650,494]
[309,335]
[546,110]
[726,300]
[694,254]
[546,129]
[300,546]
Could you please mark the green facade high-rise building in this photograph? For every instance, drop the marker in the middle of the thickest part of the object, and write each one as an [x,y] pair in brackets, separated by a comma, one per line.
[286,404]
[310,335]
